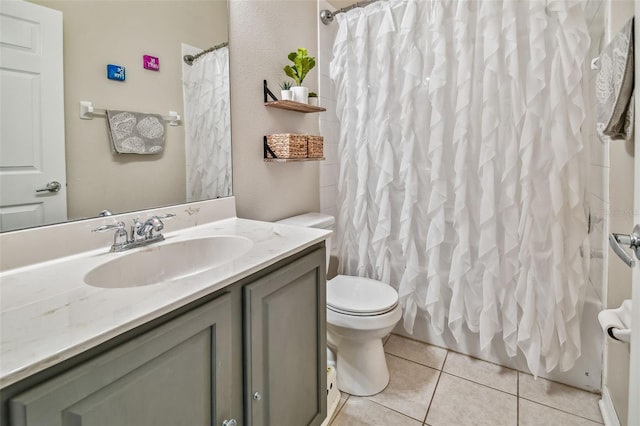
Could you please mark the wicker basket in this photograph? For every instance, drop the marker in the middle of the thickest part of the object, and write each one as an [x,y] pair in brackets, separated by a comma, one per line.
[287,145]
[314,146]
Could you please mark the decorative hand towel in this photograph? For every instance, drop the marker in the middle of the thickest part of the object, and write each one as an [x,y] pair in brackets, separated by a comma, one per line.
[614,86]
[135,132]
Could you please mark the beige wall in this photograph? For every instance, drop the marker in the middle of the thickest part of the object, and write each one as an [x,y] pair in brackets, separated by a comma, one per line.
[262,33]
[97,33]
[621,221]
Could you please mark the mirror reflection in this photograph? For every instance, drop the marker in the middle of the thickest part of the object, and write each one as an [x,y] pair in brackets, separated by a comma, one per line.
[56,166]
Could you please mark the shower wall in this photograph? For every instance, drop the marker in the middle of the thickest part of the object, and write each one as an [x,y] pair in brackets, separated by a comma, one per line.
[587,372]
[328,120]
[619,215]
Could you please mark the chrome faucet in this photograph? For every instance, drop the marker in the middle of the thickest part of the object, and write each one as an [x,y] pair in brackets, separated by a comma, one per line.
[142,233]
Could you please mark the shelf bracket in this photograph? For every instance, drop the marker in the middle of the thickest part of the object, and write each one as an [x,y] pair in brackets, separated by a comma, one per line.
[268,92]
[267,150]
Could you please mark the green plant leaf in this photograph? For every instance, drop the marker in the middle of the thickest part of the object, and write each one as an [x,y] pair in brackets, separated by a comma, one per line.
[302,64]
[290,72]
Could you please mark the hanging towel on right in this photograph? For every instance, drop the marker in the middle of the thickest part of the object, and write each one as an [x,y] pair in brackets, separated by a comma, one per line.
[614,87]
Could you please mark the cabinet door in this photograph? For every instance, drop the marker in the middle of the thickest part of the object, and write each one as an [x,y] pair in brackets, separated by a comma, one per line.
[285,344]
[176,374]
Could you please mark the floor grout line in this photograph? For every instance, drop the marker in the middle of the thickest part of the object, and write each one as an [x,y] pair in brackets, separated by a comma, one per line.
[518,398]
[389,408]
[559,383]
[559,409]
[345,401]
[484,360]
[479,383]
[402,336]
[415,362]
[435,389]
[335,415]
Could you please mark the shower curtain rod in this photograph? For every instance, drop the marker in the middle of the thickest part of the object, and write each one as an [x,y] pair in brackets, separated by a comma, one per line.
[188,59]
[326,16]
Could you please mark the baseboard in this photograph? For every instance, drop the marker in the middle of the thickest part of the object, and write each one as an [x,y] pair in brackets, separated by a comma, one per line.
[607,409]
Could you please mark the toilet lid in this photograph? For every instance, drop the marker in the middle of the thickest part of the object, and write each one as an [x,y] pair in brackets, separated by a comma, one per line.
[358,295]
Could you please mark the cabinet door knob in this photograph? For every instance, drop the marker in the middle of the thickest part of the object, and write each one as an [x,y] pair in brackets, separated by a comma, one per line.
[230,422]
[257,396]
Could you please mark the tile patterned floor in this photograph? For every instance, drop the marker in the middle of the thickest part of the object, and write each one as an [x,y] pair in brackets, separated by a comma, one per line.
[435,387]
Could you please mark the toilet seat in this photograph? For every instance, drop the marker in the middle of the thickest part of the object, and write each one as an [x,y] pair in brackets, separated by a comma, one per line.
[359,296]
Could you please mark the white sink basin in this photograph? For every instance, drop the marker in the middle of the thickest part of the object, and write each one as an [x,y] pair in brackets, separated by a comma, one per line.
[168,261]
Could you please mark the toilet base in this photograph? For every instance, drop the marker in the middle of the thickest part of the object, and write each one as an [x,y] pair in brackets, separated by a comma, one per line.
[362,367]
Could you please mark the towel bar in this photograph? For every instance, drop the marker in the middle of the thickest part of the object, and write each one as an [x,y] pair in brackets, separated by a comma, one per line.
[87,112]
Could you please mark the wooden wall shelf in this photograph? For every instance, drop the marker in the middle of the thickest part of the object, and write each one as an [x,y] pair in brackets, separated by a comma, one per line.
[289,105]
[290,160]
[294,106]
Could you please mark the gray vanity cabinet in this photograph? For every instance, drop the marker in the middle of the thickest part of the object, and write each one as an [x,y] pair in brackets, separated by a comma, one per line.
[255,353]
[285,345]
[176,374]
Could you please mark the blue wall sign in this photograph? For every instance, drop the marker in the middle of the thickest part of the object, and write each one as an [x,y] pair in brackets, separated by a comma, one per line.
[115,72]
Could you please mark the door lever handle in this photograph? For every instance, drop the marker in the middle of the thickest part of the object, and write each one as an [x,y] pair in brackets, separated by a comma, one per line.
[631,240]
[53,186]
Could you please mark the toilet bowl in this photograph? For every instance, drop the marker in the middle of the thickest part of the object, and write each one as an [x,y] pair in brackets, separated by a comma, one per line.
[360,312]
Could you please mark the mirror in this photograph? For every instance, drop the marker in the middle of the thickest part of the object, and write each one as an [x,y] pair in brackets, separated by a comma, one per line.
[95,34]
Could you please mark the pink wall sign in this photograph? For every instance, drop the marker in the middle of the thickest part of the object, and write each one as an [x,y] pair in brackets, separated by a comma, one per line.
[151,63]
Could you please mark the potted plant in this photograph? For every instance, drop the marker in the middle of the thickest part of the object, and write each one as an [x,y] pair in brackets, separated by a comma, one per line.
[302,64]
[285,93]
[313,98]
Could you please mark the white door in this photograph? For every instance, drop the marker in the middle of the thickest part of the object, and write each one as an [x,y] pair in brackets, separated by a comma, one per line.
[634,367]
[32,152]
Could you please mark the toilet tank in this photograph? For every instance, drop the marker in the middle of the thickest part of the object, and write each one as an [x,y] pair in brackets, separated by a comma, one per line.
[313,220]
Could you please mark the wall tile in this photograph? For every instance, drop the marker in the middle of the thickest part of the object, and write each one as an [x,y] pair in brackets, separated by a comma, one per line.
[599,151]
[328,175]
[328,196]
[326,87]
[331,211]
[598,182]
[331,154]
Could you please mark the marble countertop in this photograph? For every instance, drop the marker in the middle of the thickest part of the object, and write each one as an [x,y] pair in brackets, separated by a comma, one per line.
[48,314]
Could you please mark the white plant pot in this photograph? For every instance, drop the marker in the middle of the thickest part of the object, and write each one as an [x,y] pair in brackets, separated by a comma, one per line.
[286,95]
[313,101]
[300,94]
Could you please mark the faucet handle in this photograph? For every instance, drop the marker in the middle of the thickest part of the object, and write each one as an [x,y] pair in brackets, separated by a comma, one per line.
[120,238]
[167,216]
[103,228]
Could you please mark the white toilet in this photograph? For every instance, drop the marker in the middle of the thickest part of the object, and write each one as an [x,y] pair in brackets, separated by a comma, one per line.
[360,312]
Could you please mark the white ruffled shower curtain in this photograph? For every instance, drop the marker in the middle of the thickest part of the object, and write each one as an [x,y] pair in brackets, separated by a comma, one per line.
[463,167]
[208,126]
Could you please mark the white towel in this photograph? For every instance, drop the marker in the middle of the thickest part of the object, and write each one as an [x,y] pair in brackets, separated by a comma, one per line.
[135,132]
[615,86]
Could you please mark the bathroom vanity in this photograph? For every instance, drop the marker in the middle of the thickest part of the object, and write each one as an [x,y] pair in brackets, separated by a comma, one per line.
[241,343]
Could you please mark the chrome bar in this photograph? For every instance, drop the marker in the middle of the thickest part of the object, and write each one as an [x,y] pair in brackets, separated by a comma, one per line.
[189,59]
[326,16]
